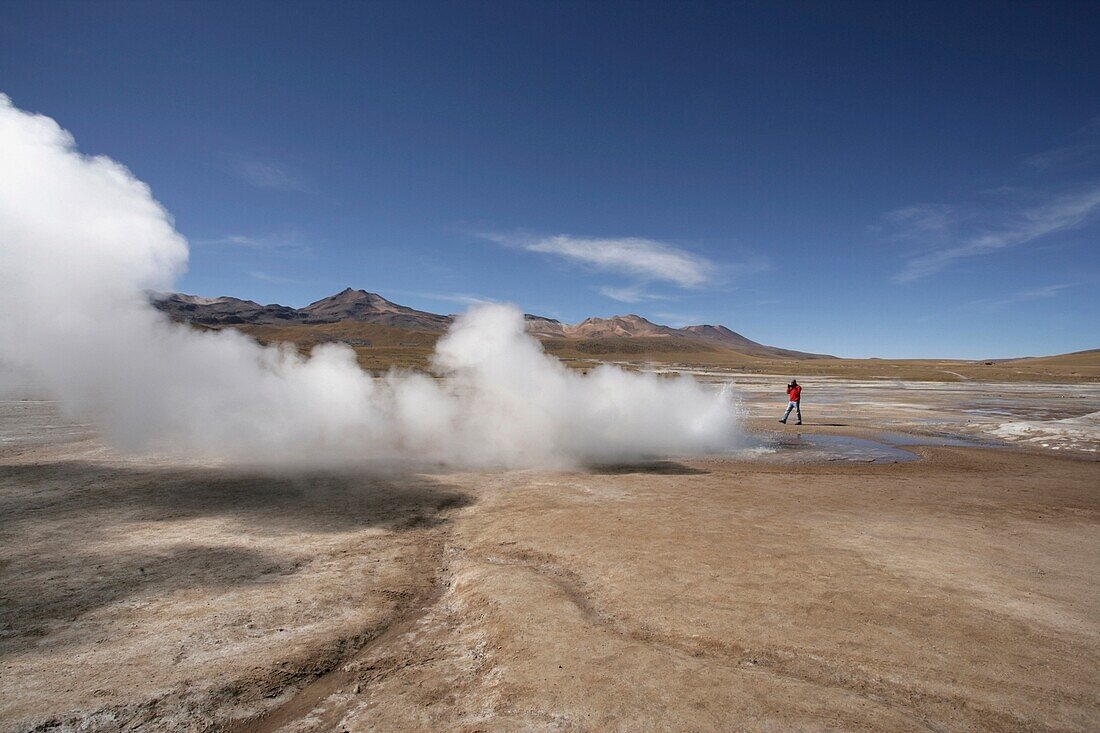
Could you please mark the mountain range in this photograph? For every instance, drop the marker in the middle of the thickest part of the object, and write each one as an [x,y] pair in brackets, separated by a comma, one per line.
[360,306]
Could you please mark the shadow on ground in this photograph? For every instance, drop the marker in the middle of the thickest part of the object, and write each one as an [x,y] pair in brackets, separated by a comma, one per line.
[671,468]
[57,492]
[76,536]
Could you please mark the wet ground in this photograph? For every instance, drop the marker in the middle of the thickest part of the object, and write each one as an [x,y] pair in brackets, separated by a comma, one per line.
[1054,417]
[815,448]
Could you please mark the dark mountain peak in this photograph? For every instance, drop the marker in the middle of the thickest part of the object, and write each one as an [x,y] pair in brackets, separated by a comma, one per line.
[223,310]
[626,326]
[707,329]
[732,340]
[349,296]
[365,307]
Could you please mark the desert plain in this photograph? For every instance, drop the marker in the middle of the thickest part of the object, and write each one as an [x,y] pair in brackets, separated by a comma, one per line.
[918,556]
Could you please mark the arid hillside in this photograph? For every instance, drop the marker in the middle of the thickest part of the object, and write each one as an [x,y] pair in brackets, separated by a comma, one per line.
[381,347]
[385,334]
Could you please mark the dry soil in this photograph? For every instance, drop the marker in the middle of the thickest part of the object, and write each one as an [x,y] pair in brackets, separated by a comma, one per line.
[957,592]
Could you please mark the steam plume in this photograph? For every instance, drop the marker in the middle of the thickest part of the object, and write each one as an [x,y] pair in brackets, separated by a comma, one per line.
[82,240]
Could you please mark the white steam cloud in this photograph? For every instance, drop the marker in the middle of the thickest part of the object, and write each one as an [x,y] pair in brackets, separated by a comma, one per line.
[81,240]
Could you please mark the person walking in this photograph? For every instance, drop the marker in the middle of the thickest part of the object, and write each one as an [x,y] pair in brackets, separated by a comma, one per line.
[794,397]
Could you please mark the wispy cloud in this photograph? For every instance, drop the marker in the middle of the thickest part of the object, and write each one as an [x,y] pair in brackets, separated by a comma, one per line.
[238,240]
[268,175]
[645,259]
[949,311]
[679,320]
[269,278]
[283,242]
[1067,156]
[950,235]
[1082,150]
[1055,191]
[631,294]
[1042,293]
[919,220]
[460,298]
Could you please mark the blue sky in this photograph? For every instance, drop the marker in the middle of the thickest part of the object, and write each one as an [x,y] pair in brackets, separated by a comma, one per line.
[883,179]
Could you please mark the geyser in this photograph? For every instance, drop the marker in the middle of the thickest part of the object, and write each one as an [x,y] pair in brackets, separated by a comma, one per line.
[82,240]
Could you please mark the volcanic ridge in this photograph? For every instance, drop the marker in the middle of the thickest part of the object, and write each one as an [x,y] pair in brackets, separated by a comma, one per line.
[360,306]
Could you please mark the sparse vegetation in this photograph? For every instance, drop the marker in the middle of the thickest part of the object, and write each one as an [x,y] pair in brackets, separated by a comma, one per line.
[380,347]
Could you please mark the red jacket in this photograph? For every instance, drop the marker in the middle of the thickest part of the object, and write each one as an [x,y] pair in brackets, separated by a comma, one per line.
[794,392]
